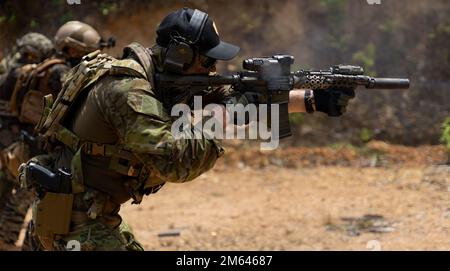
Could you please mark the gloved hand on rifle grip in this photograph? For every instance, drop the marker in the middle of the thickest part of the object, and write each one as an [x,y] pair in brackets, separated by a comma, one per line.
[333,101]
[22,179]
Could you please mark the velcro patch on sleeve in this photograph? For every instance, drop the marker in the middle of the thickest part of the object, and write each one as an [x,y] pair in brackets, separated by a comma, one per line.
[147,105]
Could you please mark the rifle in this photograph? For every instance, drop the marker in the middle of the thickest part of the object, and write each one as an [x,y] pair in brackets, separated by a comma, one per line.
[269,80]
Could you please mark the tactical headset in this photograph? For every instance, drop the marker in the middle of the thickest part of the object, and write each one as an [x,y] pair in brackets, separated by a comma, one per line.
[181,50]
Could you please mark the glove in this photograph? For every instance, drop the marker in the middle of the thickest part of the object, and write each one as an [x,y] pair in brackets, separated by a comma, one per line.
[23,177]
[333,101]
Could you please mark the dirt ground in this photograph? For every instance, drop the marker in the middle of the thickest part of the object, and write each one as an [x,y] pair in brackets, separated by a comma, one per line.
[377,197]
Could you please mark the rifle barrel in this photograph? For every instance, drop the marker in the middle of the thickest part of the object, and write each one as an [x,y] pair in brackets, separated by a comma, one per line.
[389,83]
[204,80]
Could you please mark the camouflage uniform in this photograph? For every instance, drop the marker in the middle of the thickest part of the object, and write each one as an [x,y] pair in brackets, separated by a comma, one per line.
[123,149]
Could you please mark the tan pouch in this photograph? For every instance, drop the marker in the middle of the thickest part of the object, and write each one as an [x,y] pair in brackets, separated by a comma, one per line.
[15,155]
[32,106]
[53,216]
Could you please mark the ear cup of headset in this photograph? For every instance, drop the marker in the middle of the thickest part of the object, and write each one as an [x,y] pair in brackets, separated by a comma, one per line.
[181,50]
[186,53]
[180,56]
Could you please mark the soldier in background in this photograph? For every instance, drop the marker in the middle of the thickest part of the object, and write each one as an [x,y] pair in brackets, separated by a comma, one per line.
[30,49]
[31,83]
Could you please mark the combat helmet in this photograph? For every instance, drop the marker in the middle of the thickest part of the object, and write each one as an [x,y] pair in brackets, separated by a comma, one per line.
[79,36]
[34,48]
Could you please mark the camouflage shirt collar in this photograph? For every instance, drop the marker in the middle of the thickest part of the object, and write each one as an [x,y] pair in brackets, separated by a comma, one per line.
[157,53]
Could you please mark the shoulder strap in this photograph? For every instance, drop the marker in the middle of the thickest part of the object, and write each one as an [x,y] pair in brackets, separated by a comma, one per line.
[35,75]
[46,64]
[79,78]
[35,78]
[127,67]
[22,80]
[143,56]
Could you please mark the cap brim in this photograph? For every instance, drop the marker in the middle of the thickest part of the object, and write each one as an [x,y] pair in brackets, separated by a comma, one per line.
[223,51]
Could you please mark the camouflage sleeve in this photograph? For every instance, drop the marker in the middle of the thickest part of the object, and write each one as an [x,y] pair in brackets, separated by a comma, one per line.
[144,127]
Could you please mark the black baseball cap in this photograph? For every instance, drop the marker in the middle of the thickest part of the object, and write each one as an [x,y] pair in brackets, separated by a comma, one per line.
[177,23]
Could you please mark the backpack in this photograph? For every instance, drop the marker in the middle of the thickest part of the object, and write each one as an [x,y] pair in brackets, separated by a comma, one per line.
[30,88]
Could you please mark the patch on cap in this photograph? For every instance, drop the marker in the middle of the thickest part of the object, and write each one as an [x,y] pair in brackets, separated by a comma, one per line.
[215,28]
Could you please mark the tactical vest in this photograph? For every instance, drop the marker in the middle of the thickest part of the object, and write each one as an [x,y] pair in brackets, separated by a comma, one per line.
[23,109]
[80,80]
[31,86]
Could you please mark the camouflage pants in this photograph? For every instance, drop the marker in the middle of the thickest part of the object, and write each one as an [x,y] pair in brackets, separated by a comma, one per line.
[94,236]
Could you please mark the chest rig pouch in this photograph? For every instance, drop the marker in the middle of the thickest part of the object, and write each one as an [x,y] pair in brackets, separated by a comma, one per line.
[29,90]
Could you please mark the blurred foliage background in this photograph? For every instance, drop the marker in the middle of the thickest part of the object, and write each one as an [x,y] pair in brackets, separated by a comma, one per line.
[401,38]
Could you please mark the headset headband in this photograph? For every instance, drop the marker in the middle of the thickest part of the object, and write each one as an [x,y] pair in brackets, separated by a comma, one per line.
[196,25]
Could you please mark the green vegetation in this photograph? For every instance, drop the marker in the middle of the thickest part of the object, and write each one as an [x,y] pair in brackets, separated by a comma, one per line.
[333,3]
[365,135]
[337,39]
[57,3]
[366,58]
[33,24]
[445,137]
[441,29]
[390,26]
[12,18]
